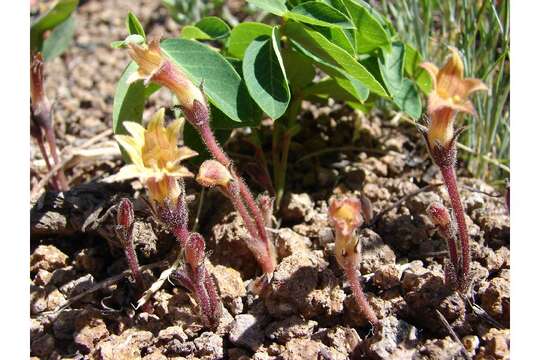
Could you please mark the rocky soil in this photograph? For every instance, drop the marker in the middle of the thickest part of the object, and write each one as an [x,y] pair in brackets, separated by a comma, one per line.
[307,311]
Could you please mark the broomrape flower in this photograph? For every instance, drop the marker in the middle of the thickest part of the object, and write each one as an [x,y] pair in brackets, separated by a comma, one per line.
[155,67]
[346,216]
[449,95]
[155,157]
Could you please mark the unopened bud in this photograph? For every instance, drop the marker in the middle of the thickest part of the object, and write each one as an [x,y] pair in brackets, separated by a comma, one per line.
[266,204]
[439,215]
[213,173]
[194,250]
[124,214]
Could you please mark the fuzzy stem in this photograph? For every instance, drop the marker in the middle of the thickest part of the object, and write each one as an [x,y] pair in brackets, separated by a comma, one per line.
[264,259]
[213,296]
[51,139]
[449,176]
[133,264]
[359,296]
[258,231]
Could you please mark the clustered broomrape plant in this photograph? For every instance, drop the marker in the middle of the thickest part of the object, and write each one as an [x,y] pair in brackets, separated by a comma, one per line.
[156,159]
[448,97]
[157,68]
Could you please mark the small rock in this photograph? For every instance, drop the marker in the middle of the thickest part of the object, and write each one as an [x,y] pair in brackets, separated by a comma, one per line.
[78,286]
[287,242]
[172,332]
[89,261]
[441,349]
[375,253]
[497,345]
[247,331]
[209,346]
[64,325]
[63,275]
[471,343]
[390,335]
[287,329]
[42,277]
[90,330]
[296,208]
[230,285]
[47,257]
[298,349]
[387,276]
[495,299]
[43,346]
[343,339]
[126,346]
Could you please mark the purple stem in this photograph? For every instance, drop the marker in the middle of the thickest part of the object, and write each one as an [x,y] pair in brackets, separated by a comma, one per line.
[51,139]
[449,176]
[359,296]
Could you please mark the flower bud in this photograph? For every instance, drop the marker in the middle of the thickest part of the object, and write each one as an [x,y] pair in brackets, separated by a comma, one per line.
[194,251]
[213,173]
[439,215]
[345,215]
[124,214]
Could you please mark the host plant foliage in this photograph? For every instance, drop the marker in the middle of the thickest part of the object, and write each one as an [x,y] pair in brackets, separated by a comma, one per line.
[339,49]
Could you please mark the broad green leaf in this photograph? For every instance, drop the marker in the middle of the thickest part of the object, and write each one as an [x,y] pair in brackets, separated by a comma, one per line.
[222,84]
[294,60]
[276,7]
[265,77]
[412,61]
[323,51]
[243,34]
[370,33]
[319,13]
[214,27]
[408,99]
[391,67]
[129,99]
[55,16]
[134,26]
[59,39]
[403,91]
[337,36]
[193,32]
[329,87]
[346,82]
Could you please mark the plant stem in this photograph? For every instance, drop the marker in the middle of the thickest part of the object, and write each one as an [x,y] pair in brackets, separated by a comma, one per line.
[133,264]
[51,139]
[449,176]
[359,296]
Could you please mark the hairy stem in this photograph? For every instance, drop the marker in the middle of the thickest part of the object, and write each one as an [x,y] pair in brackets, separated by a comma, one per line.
[359,296]
[51,139]
[449,176]
[133,264]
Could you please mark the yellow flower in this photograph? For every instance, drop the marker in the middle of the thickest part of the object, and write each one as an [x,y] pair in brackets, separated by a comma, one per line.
[450,94]
[155,157]
[154,67]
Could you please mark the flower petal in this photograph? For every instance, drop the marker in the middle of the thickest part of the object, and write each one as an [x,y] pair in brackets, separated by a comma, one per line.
[173,130]
[157,121]
[185,153]
[471,85]
[131,147]
[451,74]
[433,71]
[130,171]
[136,131]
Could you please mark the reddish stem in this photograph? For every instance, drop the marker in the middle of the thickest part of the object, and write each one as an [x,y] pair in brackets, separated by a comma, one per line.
[449,176]
[133,264]
[51,139]
[359,296]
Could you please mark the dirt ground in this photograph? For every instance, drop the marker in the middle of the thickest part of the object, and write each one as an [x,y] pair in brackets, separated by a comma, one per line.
[308,311]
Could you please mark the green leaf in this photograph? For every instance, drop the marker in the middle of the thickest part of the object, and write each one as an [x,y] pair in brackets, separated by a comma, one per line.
[214,27]
[338,36]
[59,39]
[222,84]
[320,49]
[403,91]
[329,87]
[276,7]
[370,33]
[55,16]
[319,13]
[294,60]
[412,61]
[193,32]
[346,82]
[243,34]
[408,99]
[134,26]
[129,99]
[265,76]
